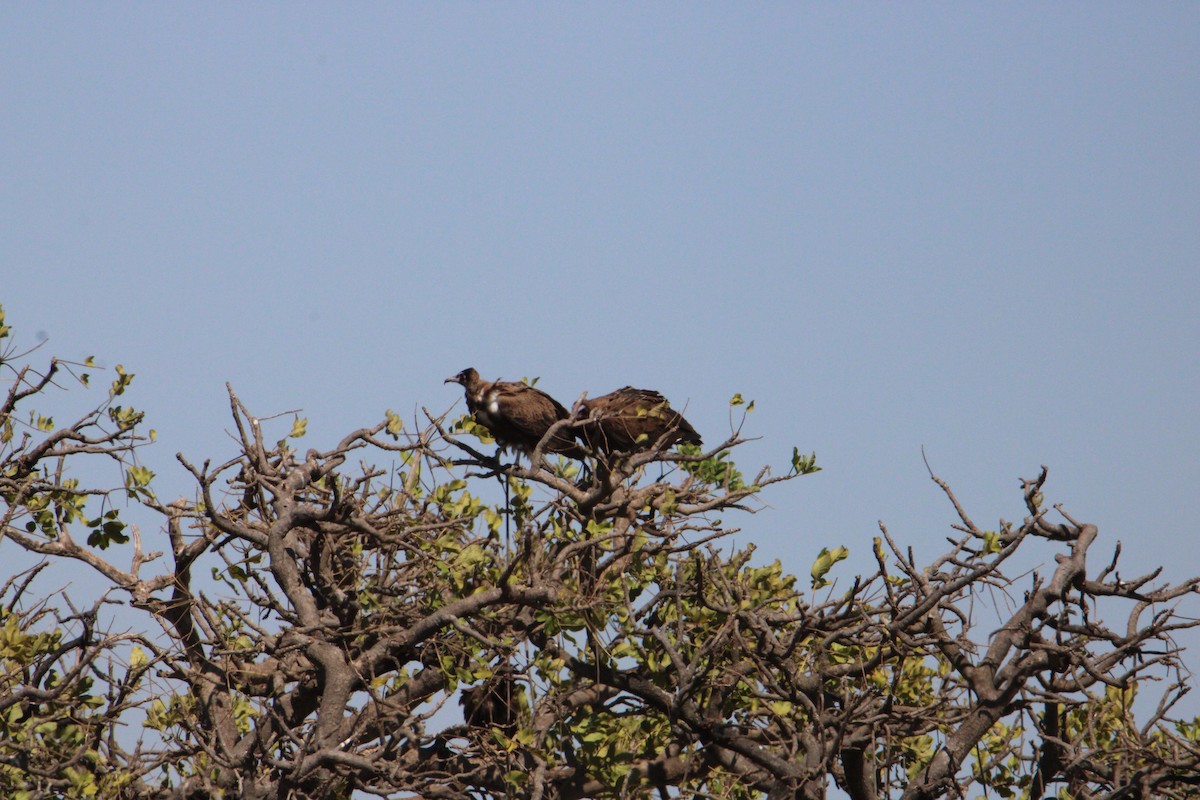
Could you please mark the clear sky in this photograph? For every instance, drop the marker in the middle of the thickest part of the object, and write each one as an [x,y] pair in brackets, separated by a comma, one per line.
[973,228]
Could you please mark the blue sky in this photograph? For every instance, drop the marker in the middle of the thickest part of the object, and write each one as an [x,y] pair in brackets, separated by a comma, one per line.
[968,228]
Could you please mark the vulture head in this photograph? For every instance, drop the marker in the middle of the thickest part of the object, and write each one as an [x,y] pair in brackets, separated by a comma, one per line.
[465,378]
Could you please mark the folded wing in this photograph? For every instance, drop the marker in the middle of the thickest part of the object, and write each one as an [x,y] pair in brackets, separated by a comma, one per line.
[634,419]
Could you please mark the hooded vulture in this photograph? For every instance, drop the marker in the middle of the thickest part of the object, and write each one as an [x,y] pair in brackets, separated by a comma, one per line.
[517,415]
[632,419]
[495,703]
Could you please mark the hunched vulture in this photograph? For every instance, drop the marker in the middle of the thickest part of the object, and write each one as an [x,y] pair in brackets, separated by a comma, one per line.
[632,419]
[495,703]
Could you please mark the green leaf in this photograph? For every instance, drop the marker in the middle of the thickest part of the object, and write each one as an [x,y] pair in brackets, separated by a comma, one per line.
[122,381]
[137,658]
[736,400]
[781,708]
[139,476]
[471,557]
[109,533]
[825,561]
[493,520]
[467,424]
[717,471]
[804,465]
[299,428]
[394,424]
[125,418]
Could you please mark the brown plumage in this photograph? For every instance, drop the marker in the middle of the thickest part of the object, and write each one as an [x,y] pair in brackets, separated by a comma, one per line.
[495,703]
[517,415]
[633,419]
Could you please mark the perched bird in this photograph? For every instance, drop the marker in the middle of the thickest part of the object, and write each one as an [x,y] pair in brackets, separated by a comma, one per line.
[632,419]
[517,415]
[496,703]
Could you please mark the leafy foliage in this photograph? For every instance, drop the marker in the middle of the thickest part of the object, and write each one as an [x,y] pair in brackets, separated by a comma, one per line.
[456,627]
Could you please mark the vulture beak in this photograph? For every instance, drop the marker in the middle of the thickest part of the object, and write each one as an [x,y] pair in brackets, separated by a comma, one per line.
[452,379]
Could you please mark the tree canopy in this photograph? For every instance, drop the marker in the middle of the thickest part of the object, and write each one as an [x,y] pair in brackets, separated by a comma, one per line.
[406,615]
